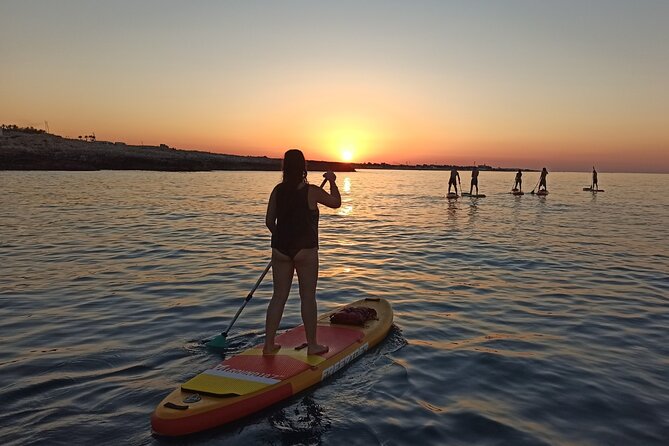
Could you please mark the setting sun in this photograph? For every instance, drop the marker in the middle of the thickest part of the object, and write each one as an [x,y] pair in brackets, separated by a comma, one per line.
[347,154]
[344,139]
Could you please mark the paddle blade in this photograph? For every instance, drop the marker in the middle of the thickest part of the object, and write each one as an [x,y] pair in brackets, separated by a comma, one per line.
[218,343]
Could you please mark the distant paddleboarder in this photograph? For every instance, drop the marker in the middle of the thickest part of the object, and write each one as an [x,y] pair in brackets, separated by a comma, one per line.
[475,180]
[455,176]
[518,185]
[595,186]
[292,218]
[542,178]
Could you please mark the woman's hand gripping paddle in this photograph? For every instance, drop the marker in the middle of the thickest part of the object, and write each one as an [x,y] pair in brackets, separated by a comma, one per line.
[220,342]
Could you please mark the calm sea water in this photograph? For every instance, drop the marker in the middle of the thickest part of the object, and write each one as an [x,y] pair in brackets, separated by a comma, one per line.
[519,320]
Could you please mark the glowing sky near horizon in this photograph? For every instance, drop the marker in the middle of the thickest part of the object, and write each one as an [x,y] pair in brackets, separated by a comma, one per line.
[507,83]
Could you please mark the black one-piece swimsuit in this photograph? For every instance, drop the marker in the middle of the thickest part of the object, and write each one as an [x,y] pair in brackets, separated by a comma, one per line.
[296,224]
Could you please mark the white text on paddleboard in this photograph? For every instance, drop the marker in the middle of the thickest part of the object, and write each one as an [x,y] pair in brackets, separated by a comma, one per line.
[227,368]
[343,362]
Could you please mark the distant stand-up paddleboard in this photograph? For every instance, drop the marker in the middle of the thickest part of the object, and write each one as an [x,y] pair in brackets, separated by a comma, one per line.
[517,192]
[589,189]
[542,193]
[452,196]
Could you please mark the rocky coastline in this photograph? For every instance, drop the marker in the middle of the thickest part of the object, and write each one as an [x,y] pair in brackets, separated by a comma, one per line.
[20,150]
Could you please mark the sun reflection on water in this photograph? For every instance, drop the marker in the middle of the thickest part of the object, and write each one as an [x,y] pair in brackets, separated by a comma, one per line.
[345,209]
[347,203]
[347,185]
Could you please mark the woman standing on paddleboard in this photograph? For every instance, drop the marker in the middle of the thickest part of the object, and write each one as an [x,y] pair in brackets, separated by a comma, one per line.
[518,185]
[475,180]
[292,218]
[542,179]
[452,180]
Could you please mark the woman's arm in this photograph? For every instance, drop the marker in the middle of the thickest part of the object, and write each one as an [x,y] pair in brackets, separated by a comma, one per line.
[270,216]
[333,199]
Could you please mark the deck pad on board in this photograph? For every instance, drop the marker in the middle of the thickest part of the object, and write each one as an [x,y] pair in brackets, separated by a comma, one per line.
[251,371]
[248,382]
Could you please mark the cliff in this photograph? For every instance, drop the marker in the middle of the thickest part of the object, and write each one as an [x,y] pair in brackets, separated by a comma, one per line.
[21,150]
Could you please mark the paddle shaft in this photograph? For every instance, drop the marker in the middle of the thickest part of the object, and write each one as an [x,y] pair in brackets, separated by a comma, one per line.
[255,287]
[536,185]
[248,297]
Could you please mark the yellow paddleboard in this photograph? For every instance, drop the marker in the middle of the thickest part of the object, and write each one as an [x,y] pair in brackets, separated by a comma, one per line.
[250,381]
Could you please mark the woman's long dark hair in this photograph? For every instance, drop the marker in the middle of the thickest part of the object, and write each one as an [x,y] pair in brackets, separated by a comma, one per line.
[294,168]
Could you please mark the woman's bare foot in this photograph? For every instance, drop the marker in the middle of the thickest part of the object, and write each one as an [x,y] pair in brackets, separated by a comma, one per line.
[317,349]
[271,349]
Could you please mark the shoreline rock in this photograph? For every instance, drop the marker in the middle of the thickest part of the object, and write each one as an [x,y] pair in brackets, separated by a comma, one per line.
[31,149]
[43,151]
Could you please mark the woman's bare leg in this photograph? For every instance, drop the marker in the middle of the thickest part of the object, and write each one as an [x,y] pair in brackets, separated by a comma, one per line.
[282,275]
[306,264]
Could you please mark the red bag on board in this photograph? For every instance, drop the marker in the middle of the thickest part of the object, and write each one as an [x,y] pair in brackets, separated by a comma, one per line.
[353,316]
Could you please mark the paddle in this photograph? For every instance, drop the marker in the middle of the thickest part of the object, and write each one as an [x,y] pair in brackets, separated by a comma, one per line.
[220,342]
[535,186]
[460,185]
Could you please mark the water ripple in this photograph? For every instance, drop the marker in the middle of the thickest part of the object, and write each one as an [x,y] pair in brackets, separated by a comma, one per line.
[519,320]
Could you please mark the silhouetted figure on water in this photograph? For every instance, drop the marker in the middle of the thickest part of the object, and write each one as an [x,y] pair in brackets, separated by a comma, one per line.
[542,179]
[595,186]
[518,185]
[455,176]
[475,180]
[292,217]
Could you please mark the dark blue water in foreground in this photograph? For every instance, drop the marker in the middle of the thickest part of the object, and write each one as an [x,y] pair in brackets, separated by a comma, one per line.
[519,320]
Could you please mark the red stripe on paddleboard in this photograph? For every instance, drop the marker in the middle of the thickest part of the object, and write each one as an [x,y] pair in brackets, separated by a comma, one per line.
[336,338]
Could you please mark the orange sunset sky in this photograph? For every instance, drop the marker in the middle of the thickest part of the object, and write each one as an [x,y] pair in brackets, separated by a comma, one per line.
[511,83]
